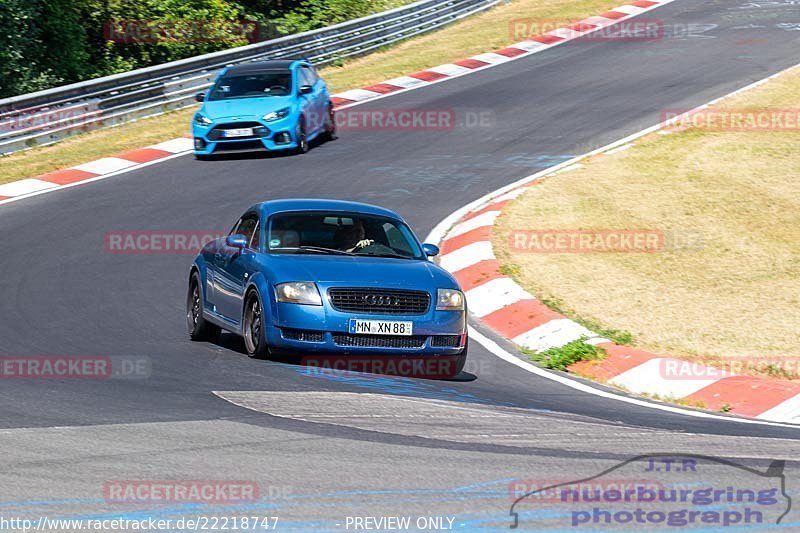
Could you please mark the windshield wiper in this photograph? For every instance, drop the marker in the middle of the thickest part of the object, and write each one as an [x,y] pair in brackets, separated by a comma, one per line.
[384,254]
[322,250]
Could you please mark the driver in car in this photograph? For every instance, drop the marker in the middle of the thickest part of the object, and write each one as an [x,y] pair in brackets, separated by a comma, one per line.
[353,238]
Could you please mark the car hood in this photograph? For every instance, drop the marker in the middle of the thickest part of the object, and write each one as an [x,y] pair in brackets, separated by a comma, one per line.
[361,271]
[244,107]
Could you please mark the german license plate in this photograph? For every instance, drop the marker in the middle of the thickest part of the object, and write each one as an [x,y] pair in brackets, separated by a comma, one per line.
[239,132]
[380,327]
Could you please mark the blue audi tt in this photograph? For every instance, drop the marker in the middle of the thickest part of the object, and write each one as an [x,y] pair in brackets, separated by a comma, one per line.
[272,105]
[326,277]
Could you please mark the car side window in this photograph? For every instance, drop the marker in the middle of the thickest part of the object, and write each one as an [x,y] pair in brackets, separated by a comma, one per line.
[396,239]
[307,76]
[248,227]
[256,238]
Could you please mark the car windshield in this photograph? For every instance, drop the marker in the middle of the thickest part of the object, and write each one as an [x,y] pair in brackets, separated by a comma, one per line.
[253,85]
[341,234]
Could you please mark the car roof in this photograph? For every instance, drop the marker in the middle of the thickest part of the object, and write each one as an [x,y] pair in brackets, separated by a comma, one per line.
[260,66]
[313,204]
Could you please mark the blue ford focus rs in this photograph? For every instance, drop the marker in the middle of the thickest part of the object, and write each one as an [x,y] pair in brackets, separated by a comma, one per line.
[326,277]
[268,105]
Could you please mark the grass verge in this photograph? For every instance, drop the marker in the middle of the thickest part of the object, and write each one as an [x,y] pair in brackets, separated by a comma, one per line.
[481,33]
[725,284]
[561,358]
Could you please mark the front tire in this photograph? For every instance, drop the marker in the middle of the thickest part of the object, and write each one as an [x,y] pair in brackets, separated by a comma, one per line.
[199,328]
[330,124]
[461,359]
[302,137]
[253,327]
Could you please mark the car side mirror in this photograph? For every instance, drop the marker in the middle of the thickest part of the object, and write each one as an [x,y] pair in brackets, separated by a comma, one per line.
[431,250]
[200,97]
[236,241]
[306,89]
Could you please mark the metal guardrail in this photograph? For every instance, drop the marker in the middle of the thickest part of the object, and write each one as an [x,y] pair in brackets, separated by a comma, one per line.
[46,117]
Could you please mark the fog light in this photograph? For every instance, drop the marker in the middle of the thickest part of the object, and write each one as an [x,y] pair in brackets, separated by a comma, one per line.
[199,144]
[283,138]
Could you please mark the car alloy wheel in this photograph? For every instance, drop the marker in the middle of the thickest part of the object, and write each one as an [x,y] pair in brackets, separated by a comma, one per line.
[199,328]
[253,328]
[302,139]
[330,124]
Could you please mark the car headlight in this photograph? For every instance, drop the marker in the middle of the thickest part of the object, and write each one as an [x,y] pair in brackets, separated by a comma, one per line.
[203,120]
[275,115]
[449,300]
[298,292]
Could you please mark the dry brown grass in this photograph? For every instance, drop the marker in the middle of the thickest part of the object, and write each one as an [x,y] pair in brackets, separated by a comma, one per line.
[736,292]
[481,33]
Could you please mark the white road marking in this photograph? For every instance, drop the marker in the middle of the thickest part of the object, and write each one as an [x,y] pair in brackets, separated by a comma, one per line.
[479,221]
[449,69]
[648,377]
[26,186]
[491,58]
[466,256]
[406,82]
[553,334]
[105,165]
[528,46]
[786,411]
[175,146]
[630,10]
[493,295]
[357,94]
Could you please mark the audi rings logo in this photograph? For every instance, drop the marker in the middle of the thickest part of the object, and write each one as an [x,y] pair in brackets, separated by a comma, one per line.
[382,300]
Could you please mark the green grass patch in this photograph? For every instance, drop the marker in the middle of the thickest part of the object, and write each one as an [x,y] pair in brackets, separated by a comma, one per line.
[561,358]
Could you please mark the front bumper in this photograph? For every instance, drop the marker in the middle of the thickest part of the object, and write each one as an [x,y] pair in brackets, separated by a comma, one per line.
[275,135]
[322,329]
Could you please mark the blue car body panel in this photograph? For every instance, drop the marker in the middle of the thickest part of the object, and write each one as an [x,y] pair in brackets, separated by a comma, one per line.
[311,108]
[227,277]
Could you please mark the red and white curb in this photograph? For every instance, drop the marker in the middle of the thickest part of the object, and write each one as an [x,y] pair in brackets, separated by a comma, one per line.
[133,159]
[515,314]
[103,167]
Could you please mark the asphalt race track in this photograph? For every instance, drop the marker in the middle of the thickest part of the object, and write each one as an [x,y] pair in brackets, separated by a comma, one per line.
[322,446]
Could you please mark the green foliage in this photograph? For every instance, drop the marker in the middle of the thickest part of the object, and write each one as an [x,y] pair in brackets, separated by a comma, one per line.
[314,14]
[44,43]
[561,358]
[20,52]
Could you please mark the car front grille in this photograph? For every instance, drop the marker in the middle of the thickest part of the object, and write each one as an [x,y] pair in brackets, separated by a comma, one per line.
[239,146]
[259,130]
[380,341]
[446,341]
[380,301]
